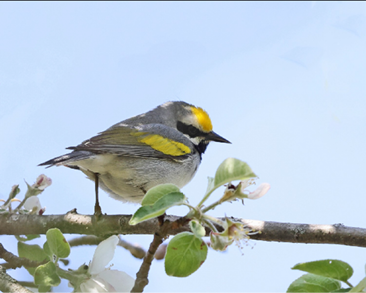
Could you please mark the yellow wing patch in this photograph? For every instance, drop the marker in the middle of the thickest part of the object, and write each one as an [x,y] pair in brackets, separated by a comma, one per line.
[202,118]
[165,145]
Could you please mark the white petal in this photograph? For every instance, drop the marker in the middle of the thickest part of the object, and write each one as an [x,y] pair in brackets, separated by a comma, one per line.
[260,191]
[96,285]
[103,255]
[90,286]
[31,202]
[120,281]
[103,283]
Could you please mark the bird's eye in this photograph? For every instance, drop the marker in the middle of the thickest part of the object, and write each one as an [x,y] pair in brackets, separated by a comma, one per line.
[192,131]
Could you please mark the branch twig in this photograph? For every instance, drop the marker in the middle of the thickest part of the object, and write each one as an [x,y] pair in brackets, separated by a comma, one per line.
[14,261]
[135,249]
[141,276]
[74,223]
[8,284]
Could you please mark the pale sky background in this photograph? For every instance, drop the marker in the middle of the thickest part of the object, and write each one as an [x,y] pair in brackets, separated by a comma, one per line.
[283,81]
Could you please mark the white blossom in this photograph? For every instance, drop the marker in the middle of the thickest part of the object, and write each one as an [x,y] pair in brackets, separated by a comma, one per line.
[102,279]
[33,205]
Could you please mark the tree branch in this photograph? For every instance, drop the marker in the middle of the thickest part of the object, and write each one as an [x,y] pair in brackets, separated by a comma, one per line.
[135,249]
[8,284]
[16,261]
[307,233]
[74,223]
[141,276]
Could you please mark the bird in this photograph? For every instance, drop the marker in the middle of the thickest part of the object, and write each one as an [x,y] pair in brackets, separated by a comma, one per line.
[164,145]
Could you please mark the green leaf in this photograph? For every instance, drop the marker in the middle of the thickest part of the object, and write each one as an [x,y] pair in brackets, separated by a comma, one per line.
[27,237]
[330,268]
[57,243]
[232,169]
[158,208]
[314,283]
[47,249]
[197,229]
[44,289]
[32,252]
[185,254]
[46,275]
[157,192]
[210,184]
[229,170]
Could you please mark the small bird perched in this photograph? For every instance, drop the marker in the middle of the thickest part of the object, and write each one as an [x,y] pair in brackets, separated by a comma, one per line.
[164,145]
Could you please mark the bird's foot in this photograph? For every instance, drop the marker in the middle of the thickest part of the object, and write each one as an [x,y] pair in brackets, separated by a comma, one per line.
[97,211]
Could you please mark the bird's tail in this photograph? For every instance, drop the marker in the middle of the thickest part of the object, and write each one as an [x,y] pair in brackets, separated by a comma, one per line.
[68,159]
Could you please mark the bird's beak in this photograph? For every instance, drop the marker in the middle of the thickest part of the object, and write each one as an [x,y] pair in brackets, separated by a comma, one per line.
[213,136]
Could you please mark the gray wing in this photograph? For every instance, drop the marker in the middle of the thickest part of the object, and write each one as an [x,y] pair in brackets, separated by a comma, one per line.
[151,140]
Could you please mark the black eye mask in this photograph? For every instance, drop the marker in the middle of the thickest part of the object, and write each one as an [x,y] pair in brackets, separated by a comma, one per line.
[190,130]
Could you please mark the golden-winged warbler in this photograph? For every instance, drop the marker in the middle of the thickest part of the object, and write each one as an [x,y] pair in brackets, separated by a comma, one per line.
[164,145]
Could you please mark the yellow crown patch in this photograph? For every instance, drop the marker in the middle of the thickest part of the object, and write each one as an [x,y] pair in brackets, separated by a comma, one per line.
[203,119]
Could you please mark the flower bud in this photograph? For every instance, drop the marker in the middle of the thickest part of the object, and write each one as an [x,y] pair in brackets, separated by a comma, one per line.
[219,242]
[42,182]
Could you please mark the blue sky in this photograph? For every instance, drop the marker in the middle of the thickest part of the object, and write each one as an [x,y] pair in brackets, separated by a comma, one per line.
[283,81]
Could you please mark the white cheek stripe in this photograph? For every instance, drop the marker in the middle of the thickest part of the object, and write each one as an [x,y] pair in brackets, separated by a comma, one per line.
[195,140]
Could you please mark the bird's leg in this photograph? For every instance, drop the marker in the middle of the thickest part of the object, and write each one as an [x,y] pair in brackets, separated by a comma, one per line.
[97,208]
